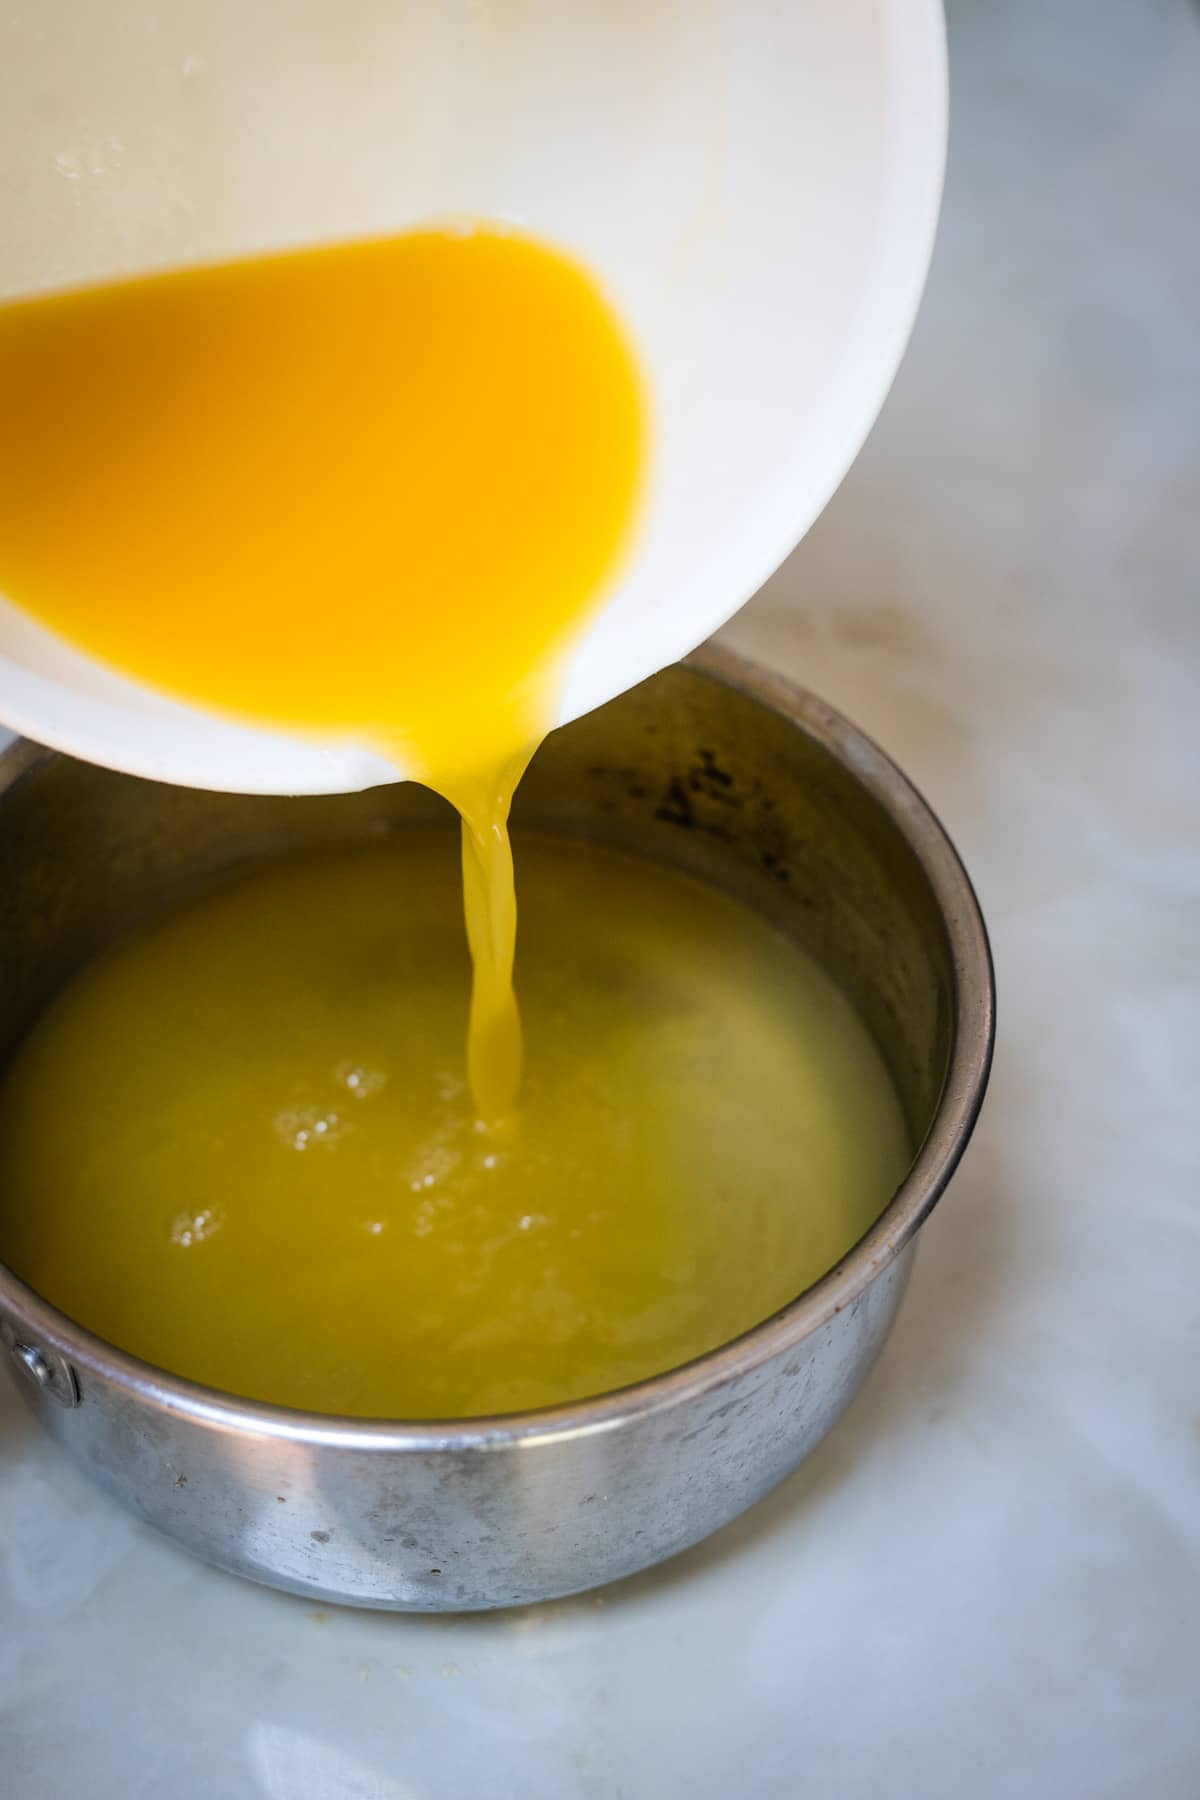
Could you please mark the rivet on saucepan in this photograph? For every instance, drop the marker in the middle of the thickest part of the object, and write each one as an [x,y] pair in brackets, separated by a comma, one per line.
[35,1363]
[59,1382]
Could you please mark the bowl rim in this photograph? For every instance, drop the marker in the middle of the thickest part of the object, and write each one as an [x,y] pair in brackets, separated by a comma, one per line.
[28,1316]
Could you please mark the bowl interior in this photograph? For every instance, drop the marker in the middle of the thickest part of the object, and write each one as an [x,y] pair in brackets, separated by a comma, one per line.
[756,184]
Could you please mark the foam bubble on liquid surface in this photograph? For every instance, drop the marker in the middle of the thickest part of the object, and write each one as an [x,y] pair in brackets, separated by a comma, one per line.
[188,1228]
[435,1159]
[309,1127]
[358,1079]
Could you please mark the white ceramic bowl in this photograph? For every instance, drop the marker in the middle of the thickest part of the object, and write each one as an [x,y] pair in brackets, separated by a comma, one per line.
[755,182]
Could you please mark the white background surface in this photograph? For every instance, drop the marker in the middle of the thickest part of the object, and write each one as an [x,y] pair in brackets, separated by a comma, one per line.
[987,1582]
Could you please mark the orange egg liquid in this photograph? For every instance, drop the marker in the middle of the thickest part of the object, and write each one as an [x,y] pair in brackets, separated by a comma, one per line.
[369,491]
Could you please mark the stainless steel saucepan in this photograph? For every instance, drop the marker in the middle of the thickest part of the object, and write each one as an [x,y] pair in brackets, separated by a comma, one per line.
[713,766]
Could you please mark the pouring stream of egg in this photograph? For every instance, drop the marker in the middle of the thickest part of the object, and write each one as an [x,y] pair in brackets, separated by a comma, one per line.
[367,491]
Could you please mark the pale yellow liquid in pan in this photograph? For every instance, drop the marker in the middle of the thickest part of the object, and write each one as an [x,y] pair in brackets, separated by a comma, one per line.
[369,491]
[240,1144]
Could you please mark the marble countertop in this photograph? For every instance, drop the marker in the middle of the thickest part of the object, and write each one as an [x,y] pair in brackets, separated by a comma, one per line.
[986,1582]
